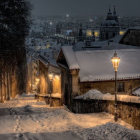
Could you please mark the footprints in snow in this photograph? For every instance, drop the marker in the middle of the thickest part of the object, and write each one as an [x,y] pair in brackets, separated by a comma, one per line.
[35,120]
[17,126]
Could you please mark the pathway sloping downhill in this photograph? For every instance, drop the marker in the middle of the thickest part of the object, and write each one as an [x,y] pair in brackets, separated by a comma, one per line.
[23,119]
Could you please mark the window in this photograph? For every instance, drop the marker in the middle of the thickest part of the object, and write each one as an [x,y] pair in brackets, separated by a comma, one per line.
[121,87]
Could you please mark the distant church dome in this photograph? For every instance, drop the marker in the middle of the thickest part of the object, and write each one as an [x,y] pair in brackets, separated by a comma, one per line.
[110,27]
[109,23]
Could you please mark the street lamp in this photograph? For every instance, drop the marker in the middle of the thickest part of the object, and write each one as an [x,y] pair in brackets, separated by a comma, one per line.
[37,84]
[37,79]
[115,61]
[51,78]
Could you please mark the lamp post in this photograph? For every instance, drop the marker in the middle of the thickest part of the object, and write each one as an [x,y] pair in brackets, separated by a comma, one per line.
[51,78]
[115,61]
[37,84]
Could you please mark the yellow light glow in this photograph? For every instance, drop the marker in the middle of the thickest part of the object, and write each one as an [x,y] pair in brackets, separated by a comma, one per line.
[51,76]
[121,32]
[89,33]
[96,33]
[48,46]
[115,61]
[57,77]
[37,79]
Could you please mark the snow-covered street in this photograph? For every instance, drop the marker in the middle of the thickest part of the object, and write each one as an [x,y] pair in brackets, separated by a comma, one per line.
[32,120]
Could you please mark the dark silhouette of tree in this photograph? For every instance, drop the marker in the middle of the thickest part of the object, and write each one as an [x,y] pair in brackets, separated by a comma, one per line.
[14,25]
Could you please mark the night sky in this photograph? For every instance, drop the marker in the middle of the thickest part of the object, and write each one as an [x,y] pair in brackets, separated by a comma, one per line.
[85,7]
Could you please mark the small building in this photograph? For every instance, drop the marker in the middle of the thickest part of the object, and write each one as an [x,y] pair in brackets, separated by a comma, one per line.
[92,69]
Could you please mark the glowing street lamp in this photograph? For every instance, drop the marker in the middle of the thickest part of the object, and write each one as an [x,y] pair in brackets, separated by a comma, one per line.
[37,79]
[51,78]
[67,15]
[37,84]
[115,61]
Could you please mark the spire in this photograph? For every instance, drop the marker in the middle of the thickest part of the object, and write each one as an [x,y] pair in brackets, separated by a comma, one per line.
[109,13]
[114,11]
[80,37]
[81,30]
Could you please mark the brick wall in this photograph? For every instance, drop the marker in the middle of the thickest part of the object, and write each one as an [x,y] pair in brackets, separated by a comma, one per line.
[108,87]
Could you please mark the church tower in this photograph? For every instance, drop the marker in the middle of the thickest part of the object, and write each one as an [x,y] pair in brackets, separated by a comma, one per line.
[115,15]
[80,34]
[110,27]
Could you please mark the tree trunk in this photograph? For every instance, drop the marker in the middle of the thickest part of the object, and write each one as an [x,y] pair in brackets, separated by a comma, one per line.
[8,94]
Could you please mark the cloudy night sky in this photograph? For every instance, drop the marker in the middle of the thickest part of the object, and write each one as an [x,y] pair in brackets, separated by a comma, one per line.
[85,7]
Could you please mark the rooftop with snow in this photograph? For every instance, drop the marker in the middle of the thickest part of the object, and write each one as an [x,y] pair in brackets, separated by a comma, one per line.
[96,65]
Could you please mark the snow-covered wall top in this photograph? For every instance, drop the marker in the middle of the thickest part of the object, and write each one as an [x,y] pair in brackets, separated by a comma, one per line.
[70,57]
[97,95]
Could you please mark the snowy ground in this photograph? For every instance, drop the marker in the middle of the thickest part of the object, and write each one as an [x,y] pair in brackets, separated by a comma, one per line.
[25,119]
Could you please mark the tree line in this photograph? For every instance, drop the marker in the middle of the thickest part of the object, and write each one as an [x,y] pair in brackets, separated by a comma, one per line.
[15,20]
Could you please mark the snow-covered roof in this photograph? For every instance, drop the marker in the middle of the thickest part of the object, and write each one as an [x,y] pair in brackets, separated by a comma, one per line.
[80,45]
[116,39]
[116,46]
[97,65]
[53,62]
[46,61]
[70,57]
[98,43]
[136,28]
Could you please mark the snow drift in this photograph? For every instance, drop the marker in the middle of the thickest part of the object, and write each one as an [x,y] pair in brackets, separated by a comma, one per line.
[97,95]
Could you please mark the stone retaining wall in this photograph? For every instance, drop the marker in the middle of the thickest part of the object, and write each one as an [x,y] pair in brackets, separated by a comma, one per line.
[55,101]
[128,112]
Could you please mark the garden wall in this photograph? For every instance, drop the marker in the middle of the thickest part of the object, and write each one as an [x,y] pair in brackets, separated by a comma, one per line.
[128,112]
